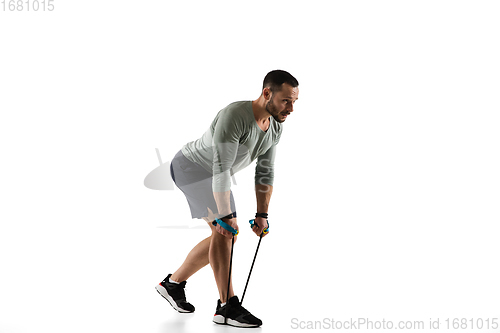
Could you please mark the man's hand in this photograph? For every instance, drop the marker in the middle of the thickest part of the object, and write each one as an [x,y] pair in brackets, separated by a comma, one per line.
[260,224]
[224,232]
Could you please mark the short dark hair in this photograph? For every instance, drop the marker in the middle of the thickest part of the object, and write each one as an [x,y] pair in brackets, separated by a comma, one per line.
[275,79]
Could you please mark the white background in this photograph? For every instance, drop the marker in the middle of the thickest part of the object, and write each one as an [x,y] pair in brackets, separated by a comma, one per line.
[386,198]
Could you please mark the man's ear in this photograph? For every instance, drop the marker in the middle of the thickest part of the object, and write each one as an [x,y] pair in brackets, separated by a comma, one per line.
[266,92]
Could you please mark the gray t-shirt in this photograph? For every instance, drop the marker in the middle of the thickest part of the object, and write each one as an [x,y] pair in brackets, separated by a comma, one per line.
[233,141]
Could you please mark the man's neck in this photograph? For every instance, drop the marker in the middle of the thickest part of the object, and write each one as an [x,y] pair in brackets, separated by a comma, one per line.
[259,111]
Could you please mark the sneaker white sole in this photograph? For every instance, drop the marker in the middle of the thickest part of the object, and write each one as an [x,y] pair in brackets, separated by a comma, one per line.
[163,292]
[219,319]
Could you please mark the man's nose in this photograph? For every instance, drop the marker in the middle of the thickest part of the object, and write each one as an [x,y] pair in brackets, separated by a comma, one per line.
[289,107]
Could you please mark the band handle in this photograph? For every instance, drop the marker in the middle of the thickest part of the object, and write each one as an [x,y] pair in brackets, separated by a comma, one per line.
[227,227]
[252,223]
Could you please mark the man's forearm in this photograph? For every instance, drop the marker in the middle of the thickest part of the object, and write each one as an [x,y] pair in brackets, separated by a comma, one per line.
[223,201]
[263,193]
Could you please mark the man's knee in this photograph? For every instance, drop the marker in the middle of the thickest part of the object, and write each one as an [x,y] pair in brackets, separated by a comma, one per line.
[219,236]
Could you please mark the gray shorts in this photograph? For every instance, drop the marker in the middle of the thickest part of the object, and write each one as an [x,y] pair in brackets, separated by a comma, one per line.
[196,184]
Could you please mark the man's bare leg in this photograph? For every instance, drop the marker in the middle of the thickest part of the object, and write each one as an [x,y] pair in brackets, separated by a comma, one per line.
[195,260]
[216,250]
[219,256]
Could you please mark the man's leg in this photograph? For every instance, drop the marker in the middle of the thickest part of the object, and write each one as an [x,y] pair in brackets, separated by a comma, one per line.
[173,292]
[195,260]
[215,249]
[229,310]
[219,256]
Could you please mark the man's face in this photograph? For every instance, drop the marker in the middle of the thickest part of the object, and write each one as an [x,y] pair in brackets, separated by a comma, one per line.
[280,104]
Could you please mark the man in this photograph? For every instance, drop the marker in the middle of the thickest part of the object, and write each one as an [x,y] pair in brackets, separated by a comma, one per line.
[239,134]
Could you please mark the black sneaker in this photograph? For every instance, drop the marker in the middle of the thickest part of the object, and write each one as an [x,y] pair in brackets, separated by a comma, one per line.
[174,294]
[237,315]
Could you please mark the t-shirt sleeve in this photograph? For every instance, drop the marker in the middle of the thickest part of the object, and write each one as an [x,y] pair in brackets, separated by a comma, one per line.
[227,133]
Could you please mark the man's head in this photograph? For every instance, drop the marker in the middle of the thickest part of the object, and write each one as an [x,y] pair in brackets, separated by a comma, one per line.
[280,90]
[274,80]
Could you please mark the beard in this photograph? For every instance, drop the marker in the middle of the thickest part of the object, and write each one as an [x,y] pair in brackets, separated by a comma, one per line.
[273,111]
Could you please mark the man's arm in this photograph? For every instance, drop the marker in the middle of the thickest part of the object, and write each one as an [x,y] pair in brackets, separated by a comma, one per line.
[264,177]
[223,200]
[263,193]
[227,132]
